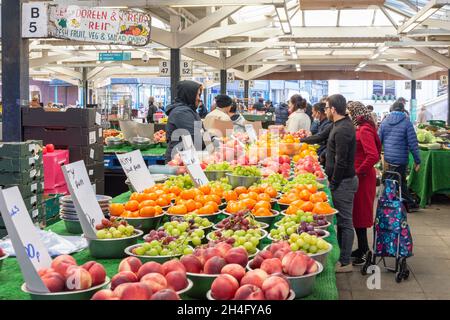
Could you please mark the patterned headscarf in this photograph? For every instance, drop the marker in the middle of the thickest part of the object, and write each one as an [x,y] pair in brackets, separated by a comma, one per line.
[359,113]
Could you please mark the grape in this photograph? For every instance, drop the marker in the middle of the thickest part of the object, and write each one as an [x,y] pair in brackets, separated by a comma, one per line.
[294,246]
[300,242]
[248,246]
[108,235]
[140,251]
[196,241]
[117,234]
[122,228]
[187,251]
[164,252]
[312,249]
[101,234]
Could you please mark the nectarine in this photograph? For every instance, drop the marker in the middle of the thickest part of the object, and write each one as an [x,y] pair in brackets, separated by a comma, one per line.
[255,277]
[165,294]
[97,272]
[276,288]
[235,270]
[224,287]
[176,280]
[173,265]
[123,277]
[149,267]
[214,265]
[192,263]
[249,292]
[237,255]
[272,265]
[130,264]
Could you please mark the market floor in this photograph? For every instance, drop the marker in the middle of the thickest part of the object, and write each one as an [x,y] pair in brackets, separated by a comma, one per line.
[430,266]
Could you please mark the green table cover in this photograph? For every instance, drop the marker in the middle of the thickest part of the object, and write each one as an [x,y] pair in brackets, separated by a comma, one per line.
[433,176]
[11,278]
[153,151]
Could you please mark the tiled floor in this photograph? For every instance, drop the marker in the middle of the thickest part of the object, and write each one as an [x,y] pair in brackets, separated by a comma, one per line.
[430,267]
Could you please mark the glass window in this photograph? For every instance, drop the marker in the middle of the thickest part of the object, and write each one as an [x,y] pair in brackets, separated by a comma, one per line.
[389,87]
[378,87]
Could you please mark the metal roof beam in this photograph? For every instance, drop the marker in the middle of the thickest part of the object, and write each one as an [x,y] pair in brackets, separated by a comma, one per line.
[203,57]
[426,12]
[166,3]
[439,58]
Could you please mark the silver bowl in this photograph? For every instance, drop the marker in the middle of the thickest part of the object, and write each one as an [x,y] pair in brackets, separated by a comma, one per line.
[237,181]
[145,223]
[215,175]
[202,283]
[112,248]
[319,257]
[144,259]
[326,235]
[268,219]
[111,142]
[66,295]
[292,295]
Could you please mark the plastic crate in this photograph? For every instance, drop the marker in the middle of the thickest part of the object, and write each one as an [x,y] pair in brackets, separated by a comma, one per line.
[71,117]
[53,175]
[51,205]
[65,136]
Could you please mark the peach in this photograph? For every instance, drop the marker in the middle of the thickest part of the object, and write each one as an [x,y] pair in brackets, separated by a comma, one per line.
[130,264]
[149,267]
[259,258]
[54,281]
[255,277]
[104,294]
[237,255]
[272,265]
[281,253]
[276,288]
[249,292]
[165,294]
[154,281]
[223,247]
[97,272]
[42,272]
[235,270]
[274,247]
[224,287]
[61,263]
[123,277]
[295,264]
[214,265]
[176,280]
[78,278]
[192,263]
[173,265]
[133,291]
[312,266]
[200,254]
[211,252]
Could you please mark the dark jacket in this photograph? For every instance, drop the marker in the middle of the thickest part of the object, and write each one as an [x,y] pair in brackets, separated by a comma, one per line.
[259,106]
[398,138]
[321,137]
[314,127]
[183,115]
[152,109]
[281,114]
[341,148]
[202,111]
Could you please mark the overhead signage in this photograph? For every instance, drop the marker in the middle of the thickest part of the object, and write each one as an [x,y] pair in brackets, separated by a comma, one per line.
[35,20]
[230,77]
[187,68]
[114,56]
[443,80]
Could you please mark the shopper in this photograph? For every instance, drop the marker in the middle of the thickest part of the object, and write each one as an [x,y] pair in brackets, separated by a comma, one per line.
[152,109]
[35,102]
[259,106]
[223,103]
[373,114]
[368,150]
[298,119]
[424,115]
[281,114]
[183,115]
[340,170]
[324,126]
[399,139]
[269,107]
[237,118]
[202,110]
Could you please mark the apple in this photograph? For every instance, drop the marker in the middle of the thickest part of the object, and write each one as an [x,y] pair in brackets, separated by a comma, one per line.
[50,148]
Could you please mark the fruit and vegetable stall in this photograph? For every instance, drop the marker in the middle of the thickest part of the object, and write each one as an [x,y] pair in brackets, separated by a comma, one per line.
[261,229]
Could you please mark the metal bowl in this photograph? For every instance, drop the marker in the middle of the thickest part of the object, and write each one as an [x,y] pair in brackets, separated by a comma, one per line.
[268,219]
[112,248]
[301,285]
[261,225]
[202,283]
[73,226]
[319,257]
[292,295]
[183,293]
[327,234]
[261,238]
[330,216]
[283,206]
[244,181]
[2,259]
[66,295]
[144,259]
[214,218]
[216,174]
[114,142]
[145,223]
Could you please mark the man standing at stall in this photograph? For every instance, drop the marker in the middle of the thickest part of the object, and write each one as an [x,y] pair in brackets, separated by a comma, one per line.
[340,169]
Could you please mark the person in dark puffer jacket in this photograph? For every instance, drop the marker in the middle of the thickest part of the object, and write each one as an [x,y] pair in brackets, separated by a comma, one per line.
[399,138]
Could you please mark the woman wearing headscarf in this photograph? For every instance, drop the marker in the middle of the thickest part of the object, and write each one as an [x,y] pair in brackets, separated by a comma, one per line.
[368,149]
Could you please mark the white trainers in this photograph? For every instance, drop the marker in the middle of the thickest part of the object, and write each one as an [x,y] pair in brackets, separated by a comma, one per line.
[342,269]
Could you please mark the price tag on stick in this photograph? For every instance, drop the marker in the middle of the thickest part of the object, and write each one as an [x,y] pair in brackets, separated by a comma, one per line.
[30,251]
[136,170]
[83,197]
[193,167]
[251,132]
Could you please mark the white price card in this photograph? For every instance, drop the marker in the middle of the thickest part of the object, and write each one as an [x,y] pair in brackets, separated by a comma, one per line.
[83,197]
[187,142]
[193,167]
[30,251]
[251,132]
[98,118]
[136,170]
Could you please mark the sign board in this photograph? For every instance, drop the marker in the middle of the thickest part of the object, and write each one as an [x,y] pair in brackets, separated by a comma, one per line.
[251,132]
[251,84]
[187,68]
[114,56]
[35,20]
[443,80]
[230,77]
[408,85]
[241,84]
[216,77]
[30,251]
[99,24]
[192,163]
[164,68]
[134,166]
[88,210]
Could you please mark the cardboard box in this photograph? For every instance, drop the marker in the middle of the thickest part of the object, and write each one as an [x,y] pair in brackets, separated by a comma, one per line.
[28,190]
[25,149]
[19,178]
[65,137]
[71,117]
[96,171]
[20,164]
[89,154]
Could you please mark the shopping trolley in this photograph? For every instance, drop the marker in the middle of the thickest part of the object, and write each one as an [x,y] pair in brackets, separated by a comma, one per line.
[392,235]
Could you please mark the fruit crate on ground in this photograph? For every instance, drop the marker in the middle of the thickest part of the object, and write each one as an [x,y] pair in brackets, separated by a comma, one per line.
[29,189]
[89,154]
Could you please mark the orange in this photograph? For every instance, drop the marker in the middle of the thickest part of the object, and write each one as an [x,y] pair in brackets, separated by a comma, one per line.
[187,194]
[125,214]
[271,191]
[312,188]
[132,205]
[205,189]
[307,206]
[190,205]
[197,192]
[323,195]
[147,212]
[300,187]
[253,195]
[180,201]
[207,209]
[243,196]
[297,203]
[305,195]
[147,203]
[166,189]
[213,204]
[134,214]
[134,196]
[322,208]
[158,210]
[264,197]
[178,209]
[315,198]
[230,195]
[162,202]
[175,189]
[150,190]
[217,191]
[291,197]
[254,189]
[262,212]
[198,205]
[240,190]
[152,196]
[116,209]
[159,192]
[235,206]
[216,199]
[249,203]
[292,210]
[262,204]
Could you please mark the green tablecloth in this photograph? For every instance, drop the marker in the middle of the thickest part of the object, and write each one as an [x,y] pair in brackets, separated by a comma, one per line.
[153,151]
[11,278]
[433,176]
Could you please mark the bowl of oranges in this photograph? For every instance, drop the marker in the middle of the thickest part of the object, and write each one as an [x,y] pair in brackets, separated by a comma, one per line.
[266,216]
[144,216]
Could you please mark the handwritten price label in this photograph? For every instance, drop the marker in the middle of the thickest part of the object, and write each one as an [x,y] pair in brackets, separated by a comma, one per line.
[134,166]
[193,167]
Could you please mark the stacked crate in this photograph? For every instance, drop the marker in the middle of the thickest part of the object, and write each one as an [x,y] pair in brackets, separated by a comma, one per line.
[21,165]
[77,130]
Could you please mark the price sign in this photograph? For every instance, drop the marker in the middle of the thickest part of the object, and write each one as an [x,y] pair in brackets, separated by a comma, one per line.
[186,69]
[230,77]
[134,166]
[443,80]
[34,20]
[164,69]
[241,84]
[83,197]
[30,251]
[216,77]
[251,132]
[193,167]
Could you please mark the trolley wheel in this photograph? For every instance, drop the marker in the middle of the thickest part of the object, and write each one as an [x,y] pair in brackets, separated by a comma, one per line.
[406,275]
[404,269]
[399,277]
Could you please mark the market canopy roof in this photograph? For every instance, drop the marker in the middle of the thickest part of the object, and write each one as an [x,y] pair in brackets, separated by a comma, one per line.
[272,39]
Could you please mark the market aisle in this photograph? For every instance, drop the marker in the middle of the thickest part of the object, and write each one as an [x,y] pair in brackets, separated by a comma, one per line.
[430,266]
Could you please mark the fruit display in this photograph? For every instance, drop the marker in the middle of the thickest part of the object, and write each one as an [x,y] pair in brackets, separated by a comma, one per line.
[223,166]
[281,165]
[301,179]
[304,197]
[246,171]
[317,221]
[114,228]
[302,133]
[160,136]
[239,221]
[202,201]
[148,281]
[194,221]
[181,181]
[289,145]
[283,232]
[64,274]
[276,181]
[303,242]
[221,184]
[305,151]
[248,239]
[145,209]
[309,164]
